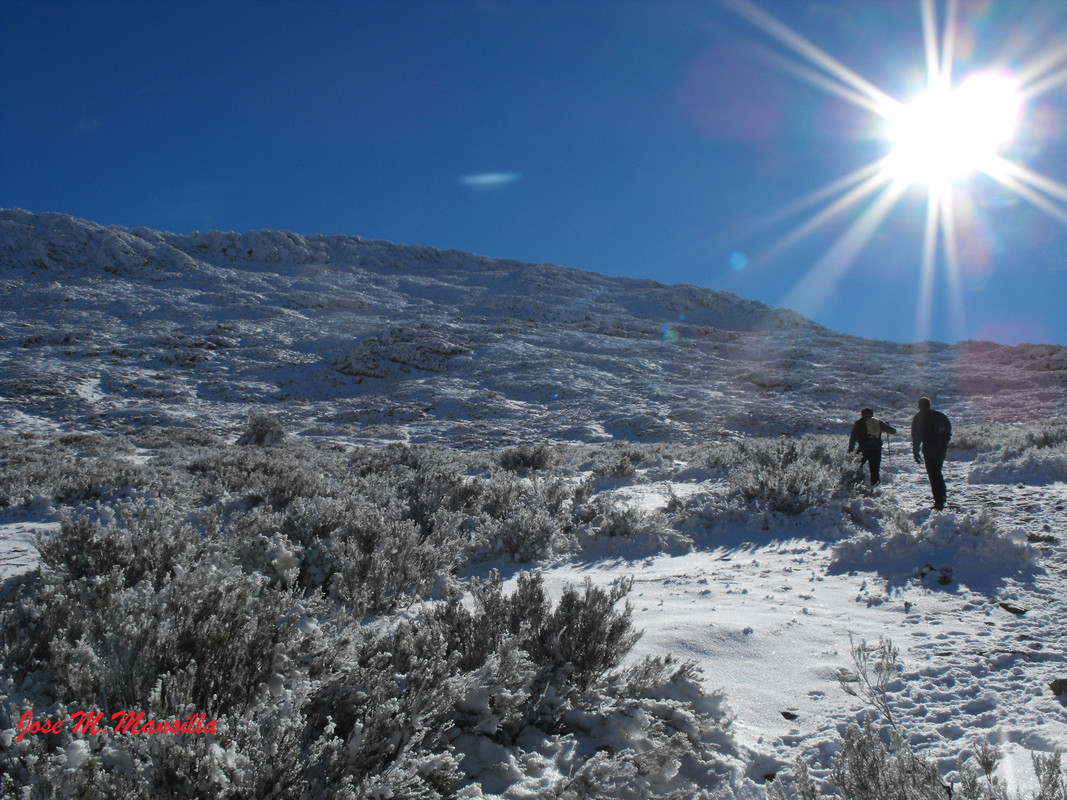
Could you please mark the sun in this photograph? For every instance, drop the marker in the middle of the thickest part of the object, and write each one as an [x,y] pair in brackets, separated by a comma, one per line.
[940,140]
[950,133]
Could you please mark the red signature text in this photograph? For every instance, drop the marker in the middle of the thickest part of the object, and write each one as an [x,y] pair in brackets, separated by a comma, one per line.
[123,722]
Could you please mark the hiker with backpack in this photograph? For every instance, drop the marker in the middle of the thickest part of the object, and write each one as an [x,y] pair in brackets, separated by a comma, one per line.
[867,435]
[931,430]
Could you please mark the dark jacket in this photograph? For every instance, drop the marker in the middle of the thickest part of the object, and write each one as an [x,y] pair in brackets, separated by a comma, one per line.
[932,430]
[861,434]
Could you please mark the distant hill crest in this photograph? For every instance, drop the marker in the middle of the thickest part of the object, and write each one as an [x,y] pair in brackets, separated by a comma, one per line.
[105,327]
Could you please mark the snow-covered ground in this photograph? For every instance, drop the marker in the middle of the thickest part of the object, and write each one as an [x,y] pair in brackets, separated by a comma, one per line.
[769,615]
[355,342]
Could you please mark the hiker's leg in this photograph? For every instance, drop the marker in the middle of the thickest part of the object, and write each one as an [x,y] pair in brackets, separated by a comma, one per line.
[876,465]
[934,464]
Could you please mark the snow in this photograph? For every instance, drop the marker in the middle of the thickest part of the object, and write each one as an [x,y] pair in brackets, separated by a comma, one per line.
[359,342]
[769,616]
[17,533]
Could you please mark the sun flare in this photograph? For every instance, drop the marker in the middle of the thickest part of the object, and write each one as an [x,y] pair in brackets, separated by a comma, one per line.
[940,140]
[952,132]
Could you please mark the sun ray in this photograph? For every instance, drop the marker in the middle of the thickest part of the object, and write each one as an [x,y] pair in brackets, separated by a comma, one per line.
[942,139]
[827,271]
[1046,84]
[1044,73]
[825,82]
[813,198]
[952,264]
[884,103]
[856,195]
[933,55]
[948,44]
[1029,185]
[924,308]
[1028,176]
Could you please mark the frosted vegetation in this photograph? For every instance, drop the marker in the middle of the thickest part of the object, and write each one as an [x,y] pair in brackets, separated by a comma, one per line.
[371,621]
[414,579]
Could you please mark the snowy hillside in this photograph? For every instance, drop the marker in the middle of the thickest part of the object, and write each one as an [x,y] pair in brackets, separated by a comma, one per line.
[411,522]
[102,328]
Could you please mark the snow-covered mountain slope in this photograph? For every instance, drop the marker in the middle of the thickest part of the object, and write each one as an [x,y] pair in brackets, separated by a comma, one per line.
[104,327]
[115,330]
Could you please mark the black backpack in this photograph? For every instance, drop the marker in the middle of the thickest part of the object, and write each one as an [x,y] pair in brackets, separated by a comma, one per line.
[939,427]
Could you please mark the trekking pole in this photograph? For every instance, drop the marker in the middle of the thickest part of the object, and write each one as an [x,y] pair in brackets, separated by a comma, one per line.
[889,457]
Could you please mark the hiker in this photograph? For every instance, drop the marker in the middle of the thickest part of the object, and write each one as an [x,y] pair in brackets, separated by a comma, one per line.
[867,434]
[931,430]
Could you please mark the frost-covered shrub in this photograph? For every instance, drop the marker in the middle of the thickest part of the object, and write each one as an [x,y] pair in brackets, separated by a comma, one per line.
[557,669]
[618,461]
[260,752]
[70,470]
[614,518]
[263,429]
[719,455]
[377,561]
[143,541]
[624,467]
[169,633]
[391,704]
[791,475]
[527,518]
[214,631]
[870,767]
[245,594]
[875,763]
[526,532]
[974,437]
[276,476]
[531,457]
[431,490]
[1031,454]
[618,519]
[1016,440]
[159,438]
[369,556]
[569,647]
[1035,467]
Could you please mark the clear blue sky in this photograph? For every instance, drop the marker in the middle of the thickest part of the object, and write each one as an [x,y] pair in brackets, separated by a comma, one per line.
[654,139]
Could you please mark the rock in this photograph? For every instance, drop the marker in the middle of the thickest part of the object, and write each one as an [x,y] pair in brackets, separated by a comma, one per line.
[1041,538]
[790,715]
[1059,686]
[1013,608]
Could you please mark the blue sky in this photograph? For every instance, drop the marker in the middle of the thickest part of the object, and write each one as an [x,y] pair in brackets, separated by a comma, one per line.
[654,139]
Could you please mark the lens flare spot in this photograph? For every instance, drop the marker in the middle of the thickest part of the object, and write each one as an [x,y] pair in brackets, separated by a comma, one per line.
[490,180]
[738,261]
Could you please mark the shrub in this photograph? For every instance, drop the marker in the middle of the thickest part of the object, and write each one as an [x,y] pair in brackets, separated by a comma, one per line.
[377,562]
[531,457]
[215,632]
[73,469]
[960,547]
[391,704]
[143,541]
[569,647]
[263,429]
[791,475]
[526,518]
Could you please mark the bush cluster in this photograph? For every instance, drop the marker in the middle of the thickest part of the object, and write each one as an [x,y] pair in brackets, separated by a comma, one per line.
[307,598]
[279,589]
